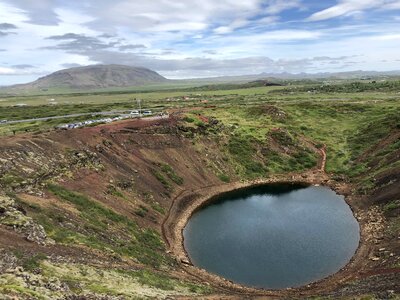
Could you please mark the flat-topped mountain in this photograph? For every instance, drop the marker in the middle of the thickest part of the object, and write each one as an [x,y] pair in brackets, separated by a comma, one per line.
[94,77]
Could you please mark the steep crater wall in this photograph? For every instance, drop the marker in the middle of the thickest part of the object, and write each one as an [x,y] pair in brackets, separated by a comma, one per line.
[124,191]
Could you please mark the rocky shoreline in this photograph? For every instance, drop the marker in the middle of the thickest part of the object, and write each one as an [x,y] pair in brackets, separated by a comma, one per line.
[188,202]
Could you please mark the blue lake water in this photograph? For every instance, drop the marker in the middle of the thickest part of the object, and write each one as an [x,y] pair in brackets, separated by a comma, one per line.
[273,237]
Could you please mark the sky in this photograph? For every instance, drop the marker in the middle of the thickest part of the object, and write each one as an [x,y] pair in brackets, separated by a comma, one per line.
[190,39]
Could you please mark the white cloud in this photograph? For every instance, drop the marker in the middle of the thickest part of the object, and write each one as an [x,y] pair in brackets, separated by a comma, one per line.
[10,14]
[353,7]
[247,42]
[38,12]
[268,20]
[277,6]
[231,27]
[386,37]
[344,7]
[191,38]
[392,5]
[163,15]
[7,71]
[291,35]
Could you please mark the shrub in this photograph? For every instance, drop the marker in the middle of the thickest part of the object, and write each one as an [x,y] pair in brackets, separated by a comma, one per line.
[33,263]
[157,207]
[141,211]
[167,169]
[242,147]
[224,178]
[200,124]
[94,211]
[112,190]
[160,177]
[188,119]
[392,206]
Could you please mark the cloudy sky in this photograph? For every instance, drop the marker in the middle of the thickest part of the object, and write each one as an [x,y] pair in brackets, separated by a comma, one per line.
[187,38]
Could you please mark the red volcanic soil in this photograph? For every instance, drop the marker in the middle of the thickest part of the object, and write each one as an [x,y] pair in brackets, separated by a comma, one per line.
[127,155]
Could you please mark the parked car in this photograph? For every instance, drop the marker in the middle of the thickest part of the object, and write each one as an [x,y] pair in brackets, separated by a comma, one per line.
[147,113]
[3,121]
[64,127]
[134,113]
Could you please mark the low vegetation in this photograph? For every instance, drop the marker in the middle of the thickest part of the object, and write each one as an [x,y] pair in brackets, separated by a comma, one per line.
[351,87]
[235,132]
[125,237]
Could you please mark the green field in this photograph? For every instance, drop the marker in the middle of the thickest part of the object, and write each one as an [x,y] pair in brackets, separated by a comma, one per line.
[331,115]
[318,111]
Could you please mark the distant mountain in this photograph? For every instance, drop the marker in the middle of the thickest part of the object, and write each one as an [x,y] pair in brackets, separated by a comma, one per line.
[94,77]
[327,75]
[115,77]
[292,76]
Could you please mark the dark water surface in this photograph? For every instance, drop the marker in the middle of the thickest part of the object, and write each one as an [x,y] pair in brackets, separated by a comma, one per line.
[273,237]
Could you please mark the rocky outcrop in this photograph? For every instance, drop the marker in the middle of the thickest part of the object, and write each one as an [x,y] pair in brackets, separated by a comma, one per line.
[26,165]
[12,215]
[8,261]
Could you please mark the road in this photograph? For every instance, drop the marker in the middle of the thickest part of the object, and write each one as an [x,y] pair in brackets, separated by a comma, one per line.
[323,158]
[103,113]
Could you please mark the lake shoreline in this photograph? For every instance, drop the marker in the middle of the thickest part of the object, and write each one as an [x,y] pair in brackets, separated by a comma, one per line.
[186,203]
[275,236]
